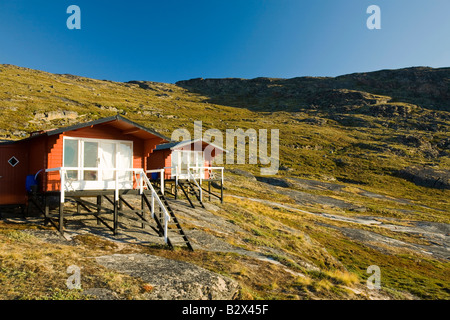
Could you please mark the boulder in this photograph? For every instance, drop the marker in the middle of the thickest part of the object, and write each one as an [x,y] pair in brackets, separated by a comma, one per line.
[427,177]
[171,279]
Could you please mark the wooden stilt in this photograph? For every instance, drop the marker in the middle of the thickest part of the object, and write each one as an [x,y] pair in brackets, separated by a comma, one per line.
[99,208]
[142,208]
[61,214]
[176,191]
[46,210]
[221,192]
[209,189]
[115,217]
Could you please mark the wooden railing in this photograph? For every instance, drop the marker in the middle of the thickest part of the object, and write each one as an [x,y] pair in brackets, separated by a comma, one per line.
[143,183]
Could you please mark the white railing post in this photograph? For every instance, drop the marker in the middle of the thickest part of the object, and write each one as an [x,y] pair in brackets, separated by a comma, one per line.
[190,175]
[161,205]
[63,182]
[116,186]
[153,206]
[162,180]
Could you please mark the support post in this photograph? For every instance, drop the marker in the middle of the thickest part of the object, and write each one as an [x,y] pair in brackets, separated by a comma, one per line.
[161,176]
[46,210]
[142,208]
[221,186]
[153,206]
[176,190]
[221,191]
[209,189]
[115,217]
[99,207]
[61,213]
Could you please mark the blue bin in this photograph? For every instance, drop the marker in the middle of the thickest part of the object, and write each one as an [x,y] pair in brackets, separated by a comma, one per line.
[30,182]
[155,175]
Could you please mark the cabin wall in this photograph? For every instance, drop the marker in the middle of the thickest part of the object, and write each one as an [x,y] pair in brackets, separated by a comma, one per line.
[141,149]
[13,179]
[160,159]
[37,149]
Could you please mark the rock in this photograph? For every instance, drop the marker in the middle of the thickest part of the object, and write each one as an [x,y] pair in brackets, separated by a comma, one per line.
[100,294]
[53,115]
[278,182]
[242,173]
[172,280]
[427,177]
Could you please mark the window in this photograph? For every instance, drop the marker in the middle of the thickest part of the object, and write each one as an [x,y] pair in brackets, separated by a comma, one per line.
[186,159]
[90,160]
[71,157]
[89,154]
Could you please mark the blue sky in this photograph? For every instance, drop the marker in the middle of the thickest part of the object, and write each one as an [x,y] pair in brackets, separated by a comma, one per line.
[172,40]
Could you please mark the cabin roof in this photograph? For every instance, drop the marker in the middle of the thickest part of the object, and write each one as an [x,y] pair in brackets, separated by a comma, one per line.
[4,141]
[179,144]
[117,121]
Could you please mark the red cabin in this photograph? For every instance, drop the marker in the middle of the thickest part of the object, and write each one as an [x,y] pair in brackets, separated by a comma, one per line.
[187,159]
[107,158]
[91,153]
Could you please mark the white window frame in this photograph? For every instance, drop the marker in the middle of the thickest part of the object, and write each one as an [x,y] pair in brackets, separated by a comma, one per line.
[99,184]
[178,154]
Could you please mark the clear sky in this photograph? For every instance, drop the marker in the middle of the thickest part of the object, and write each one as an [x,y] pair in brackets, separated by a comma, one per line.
[170,40]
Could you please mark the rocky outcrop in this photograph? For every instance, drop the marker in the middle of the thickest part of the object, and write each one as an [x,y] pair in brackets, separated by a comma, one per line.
[54,115]
[427,177]
[172,280]
[422,86]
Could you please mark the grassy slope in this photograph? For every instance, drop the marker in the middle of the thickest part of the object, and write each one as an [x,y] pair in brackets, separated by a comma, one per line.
[309,150]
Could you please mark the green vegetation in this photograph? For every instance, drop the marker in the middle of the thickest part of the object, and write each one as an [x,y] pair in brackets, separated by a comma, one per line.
[341,131]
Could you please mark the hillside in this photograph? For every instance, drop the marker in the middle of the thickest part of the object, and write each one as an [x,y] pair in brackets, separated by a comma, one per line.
[364,178]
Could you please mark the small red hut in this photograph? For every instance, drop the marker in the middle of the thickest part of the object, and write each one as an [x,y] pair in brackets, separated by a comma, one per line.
[109,158]
[91,153]
[186,159]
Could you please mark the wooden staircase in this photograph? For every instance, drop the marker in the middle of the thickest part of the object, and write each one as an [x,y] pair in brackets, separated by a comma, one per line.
[174,225]
[176,234]
[190,189]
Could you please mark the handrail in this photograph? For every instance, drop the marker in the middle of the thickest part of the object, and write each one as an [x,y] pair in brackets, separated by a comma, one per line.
[210,169]
[161,177]
[161,205]
[176,172]
[196,183]
[143,177]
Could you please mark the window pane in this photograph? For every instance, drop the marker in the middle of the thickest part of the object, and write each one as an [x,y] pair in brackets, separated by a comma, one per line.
[71,157]
[70,153]
[90,160]
[185,155]
[108,160]
[124,161]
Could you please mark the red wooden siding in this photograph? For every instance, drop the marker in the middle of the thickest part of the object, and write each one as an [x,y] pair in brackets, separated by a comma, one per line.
[12,179]
[141,149]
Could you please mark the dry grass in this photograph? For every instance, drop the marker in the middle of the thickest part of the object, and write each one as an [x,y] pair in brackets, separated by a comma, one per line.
[33,269]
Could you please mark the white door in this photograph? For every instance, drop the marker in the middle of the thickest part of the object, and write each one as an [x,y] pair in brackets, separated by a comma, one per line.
[125,161]
[107,160]
[183,160]
[101,155]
